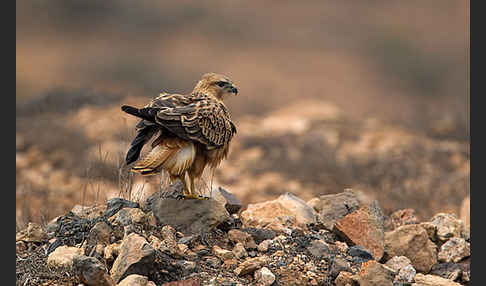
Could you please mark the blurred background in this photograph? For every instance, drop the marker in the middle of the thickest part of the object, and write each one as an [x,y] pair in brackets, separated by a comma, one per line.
[368,95]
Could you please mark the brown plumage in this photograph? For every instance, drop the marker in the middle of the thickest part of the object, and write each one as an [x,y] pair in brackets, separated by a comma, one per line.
[194,131]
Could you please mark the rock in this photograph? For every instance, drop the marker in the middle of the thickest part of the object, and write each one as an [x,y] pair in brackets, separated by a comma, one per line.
[451,271]
[318,248]
[63,256]
[406,274]
[264,277]
[239,251]
[100,233]
[398,262]
[182,248]
[88,212]
[91,271]
[430,229]
[223,254]
[213,262]
[229,200]
[432,280]
[447,226]
[115,204]
[343,246]
[128,216]
[136,257]
[260,234]
[339,264]
[399,218]
[345,279]
[287,210]
[250,265]
[189,216]
[263,246]
[243,237]
[364,227]
[33,233]
[373,273]
[304,214]
[187,266]
[331,208]
[413,242]
[359,253]
[111,251]
[454,250]
[188,282]
[134,280]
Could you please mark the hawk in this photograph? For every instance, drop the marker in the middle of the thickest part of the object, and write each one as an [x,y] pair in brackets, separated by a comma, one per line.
[193,131]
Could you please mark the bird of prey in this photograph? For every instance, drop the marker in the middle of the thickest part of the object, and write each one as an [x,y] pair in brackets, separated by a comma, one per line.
[194,131]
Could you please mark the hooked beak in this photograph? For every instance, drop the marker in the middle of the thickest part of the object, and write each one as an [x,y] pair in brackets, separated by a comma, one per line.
[234,90]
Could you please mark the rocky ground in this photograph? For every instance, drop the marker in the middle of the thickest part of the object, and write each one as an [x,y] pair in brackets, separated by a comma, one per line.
[340,239]
[310,148]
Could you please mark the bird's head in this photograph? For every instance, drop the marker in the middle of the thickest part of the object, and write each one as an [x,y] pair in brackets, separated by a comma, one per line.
[217,85]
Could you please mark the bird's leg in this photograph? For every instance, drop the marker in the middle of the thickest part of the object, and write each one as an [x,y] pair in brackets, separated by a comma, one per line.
[185,191]
[193,189]
[191,194]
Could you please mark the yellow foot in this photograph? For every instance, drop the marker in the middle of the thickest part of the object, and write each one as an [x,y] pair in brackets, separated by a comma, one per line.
[194,197]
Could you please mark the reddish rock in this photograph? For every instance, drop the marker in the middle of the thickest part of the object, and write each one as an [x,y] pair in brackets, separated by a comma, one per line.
[188,282]
[364,227]
[250,265]
[331,208]
[373,273]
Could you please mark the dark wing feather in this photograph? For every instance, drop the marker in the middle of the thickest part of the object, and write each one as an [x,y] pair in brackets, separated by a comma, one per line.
[204,119]
[195,117]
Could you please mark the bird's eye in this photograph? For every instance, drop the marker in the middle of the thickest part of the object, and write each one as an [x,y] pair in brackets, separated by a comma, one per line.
[221,83]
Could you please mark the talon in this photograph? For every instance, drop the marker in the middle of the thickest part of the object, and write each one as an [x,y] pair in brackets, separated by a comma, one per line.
[195,197]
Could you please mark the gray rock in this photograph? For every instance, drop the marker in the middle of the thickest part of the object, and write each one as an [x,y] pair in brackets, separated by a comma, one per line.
[187,266]
[318,248]
[91,271]
[360,253]
[229,200]
[189,216]
[406,274]
[398,262]
[264,277]
[260,234]
[115,204]
[447,226]
[339,264]
[454,250]
[331,208]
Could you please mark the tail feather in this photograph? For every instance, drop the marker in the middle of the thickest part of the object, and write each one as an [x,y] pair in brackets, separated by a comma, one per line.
[147,113]
[137,144]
